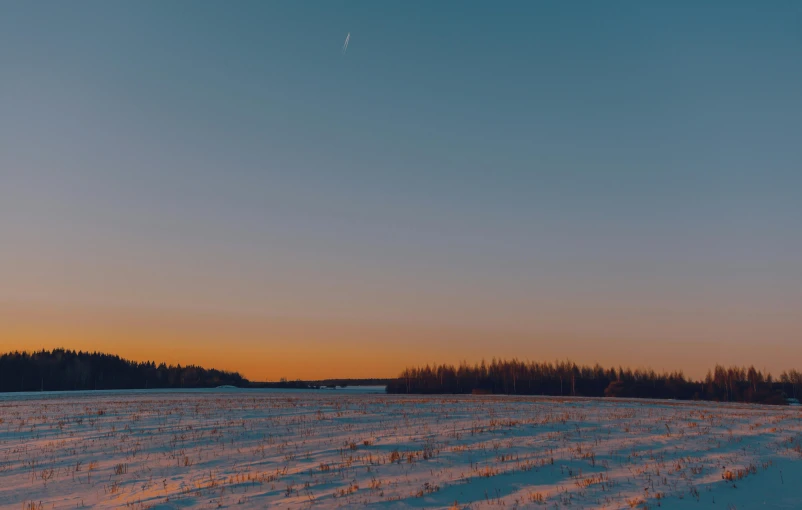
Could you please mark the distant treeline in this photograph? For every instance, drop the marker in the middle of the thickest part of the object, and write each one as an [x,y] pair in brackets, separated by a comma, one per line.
[323,383]
[342,383]
[60,370]
[734,384]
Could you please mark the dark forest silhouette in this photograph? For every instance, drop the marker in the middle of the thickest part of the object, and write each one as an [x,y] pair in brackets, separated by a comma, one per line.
[66,370]
[734,384]
[62,369]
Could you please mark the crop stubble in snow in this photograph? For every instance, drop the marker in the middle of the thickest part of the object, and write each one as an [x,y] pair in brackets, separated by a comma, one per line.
[260,449]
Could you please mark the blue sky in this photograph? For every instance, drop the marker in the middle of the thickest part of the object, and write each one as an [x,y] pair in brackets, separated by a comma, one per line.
[600,168]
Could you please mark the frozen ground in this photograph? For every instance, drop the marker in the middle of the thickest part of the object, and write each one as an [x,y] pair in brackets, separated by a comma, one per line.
[333,449]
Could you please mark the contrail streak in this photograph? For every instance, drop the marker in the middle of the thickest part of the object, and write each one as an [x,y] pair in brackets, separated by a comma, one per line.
[345,44]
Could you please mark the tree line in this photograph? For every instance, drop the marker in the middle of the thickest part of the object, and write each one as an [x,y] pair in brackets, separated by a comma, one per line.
[298,384]
[733,384]
[61,370]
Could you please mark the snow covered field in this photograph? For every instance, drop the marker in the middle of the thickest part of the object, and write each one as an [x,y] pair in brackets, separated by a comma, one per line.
[335,449]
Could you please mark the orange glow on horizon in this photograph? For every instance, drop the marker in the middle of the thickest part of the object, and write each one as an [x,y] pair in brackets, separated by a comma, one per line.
[268,349]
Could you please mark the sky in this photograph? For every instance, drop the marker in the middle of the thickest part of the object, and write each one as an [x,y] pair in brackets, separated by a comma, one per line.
[217,183]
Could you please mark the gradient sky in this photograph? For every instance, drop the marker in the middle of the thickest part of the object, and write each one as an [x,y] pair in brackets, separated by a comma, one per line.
[215,183]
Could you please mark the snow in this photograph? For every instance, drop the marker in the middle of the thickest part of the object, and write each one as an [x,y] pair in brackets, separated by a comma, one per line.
[355,448]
